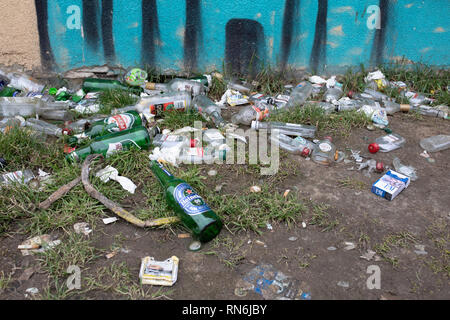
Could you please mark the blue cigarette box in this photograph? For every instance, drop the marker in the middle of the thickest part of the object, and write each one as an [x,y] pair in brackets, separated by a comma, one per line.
[390,185]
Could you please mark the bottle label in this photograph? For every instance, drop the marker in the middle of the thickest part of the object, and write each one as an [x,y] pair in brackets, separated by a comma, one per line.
[179,105]
[164,169]
[195,152]
[325,147]
[123,121]
[120,146]
[189,200]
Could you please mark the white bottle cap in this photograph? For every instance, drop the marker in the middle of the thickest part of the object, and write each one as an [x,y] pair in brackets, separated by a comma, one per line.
[255,125]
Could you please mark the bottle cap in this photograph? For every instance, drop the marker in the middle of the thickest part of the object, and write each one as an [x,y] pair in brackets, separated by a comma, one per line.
[193,143]
[255,125]
[374,148]
[306,152]
[150,86]
[328,138]
[405,107]
[380,166]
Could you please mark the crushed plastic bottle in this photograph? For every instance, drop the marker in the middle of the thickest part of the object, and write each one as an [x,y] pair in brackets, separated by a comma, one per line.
[290,129]
[438,112]
[7,124]
[405,170]
[300,94]
[22,177]
[332,95]
[172,141]
[213,138]
[22,82]
[436,143]
[248,114]
[390,142]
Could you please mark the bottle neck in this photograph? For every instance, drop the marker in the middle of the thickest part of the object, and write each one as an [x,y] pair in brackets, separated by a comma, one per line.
[164,176]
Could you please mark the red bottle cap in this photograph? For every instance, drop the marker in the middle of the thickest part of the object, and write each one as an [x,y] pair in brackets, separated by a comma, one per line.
[68,149]
[380,166]
[374,148]
[193,143]
[306,152]
[350,94]
[67,131]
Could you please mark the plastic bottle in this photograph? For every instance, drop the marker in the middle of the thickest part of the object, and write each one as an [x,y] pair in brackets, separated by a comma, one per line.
[44,127]
[436,143]
[22,177]
[416,99]
[7,124]
[376,95]
[18,106]
[193,87]
[117,123]
[325,106]
[201,155]
[325,152]
[406,170]
[209,110]
[332,95]
[114,142]
[23,82]
[157,105]
[248,114]
[300,94]
[298,145]
[172,141]
[393,107]
[390,142]
[213,137]
[290,129]
[190,207]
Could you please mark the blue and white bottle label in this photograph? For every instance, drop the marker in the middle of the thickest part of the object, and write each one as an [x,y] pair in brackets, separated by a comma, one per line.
[189,200]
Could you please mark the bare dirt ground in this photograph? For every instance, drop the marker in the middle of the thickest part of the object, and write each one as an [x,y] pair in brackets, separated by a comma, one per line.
[420,215]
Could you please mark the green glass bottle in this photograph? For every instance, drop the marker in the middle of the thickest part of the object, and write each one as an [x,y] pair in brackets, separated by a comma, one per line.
[114,142]
[96,85]
[113,124]
[9,92]
[191,208]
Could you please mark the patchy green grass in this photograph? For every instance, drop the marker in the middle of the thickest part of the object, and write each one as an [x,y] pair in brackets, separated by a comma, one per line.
[393,241]
[177,120]
[335,124]
[352,183]
[115,99]
[5,280]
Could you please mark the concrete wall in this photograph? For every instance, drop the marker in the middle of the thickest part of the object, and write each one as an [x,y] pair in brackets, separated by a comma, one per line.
[209,34]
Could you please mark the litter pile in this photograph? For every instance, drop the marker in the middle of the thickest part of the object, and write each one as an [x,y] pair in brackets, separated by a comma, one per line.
[26,103]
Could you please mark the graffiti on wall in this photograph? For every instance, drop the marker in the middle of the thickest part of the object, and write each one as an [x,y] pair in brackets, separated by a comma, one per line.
[239,35]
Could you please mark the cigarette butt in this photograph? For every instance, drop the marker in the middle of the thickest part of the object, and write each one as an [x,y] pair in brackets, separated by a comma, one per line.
[184,235]
[286,193]
[28,246]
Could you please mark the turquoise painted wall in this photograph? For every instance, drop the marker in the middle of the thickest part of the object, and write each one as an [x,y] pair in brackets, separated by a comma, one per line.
[208,34]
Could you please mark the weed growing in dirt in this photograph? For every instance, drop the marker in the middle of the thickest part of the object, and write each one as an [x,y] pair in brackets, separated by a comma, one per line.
[5,280]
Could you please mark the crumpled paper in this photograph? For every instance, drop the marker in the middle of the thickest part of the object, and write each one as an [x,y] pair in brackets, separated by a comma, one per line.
[167,155]
[111,173]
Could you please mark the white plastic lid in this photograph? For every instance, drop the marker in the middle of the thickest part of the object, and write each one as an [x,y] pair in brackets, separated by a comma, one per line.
[254,125]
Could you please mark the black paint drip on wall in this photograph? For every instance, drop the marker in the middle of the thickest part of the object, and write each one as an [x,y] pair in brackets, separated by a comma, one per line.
[90,23]
[47,58]
[318,54]
[150,32]
[244,49]
[289,33]
[107,31]
[379,42]
[193,34]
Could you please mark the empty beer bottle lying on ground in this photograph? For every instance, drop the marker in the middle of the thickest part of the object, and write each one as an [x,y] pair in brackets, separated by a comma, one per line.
[117,123]
[114,142]
[191,208]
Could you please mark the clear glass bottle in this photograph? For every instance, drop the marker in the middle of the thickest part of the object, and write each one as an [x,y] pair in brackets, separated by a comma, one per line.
[290,129]
[193,87]
[44,127]
[158,105]
[325,152]
[209,110]
[248,114]
[390,142]
[298,145]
